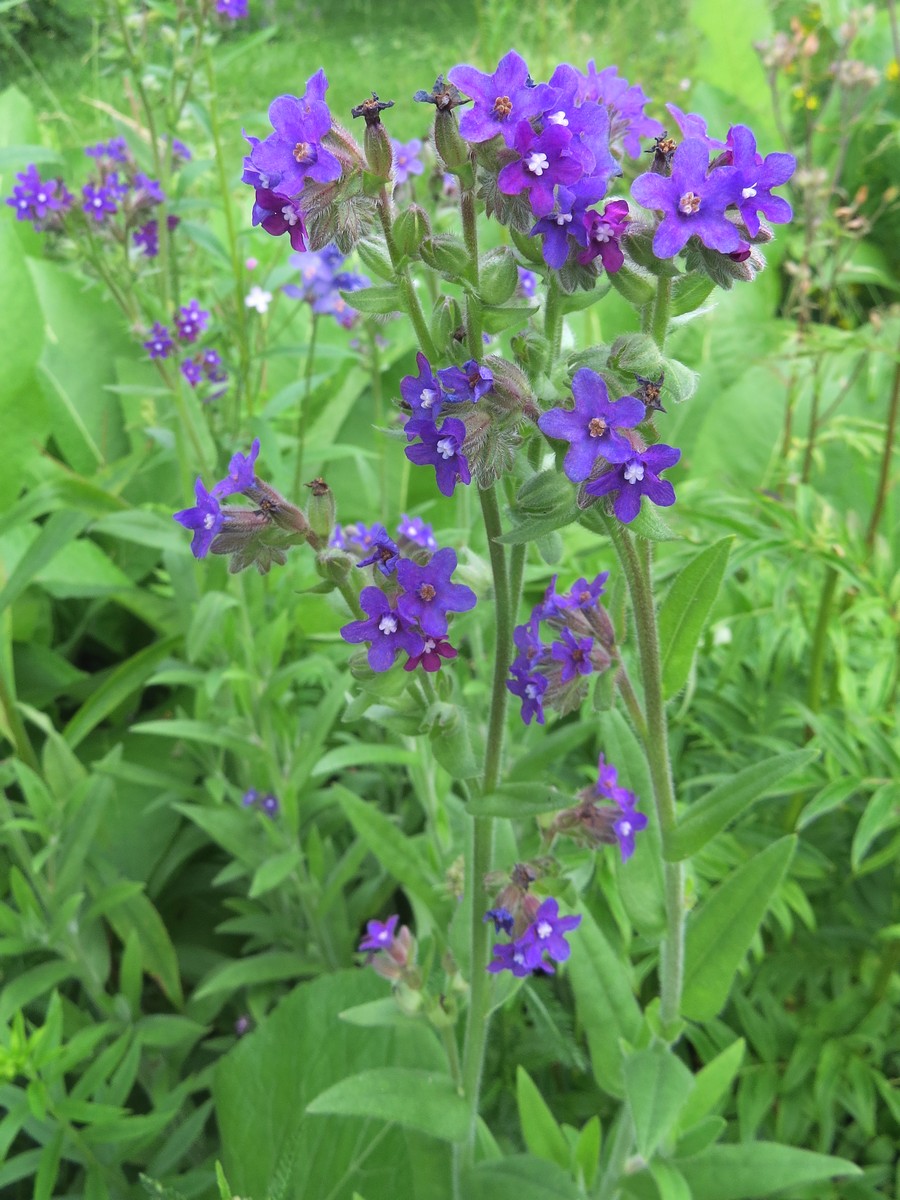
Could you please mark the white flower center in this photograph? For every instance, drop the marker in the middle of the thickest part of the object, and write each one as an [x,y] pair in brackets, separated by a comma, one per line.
[537,163]
[563,218]
[749,192]
[544,929]
[634,472]
[689,204]
[519,958]
[42,197]
[289,215]
[263,181]
[430,644]
[388,624]
[428,397]
[625,828]
[209,520]
[98,202]
[602,233]
[558,118]
[446,447]
[531,691]
[411,531]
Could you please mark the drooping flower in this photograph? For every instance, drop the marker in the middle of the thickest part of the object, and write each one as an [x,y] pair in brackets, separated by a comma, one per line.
[502,99]
[205,519]
[159,344]
[529,686]
[406,159]
[468,382]
[383,551]
[638,476]
[241,473]
[591,427]
[692,200]
[442,448]
[756,177]
[429,595]
[431,657]
[386,629]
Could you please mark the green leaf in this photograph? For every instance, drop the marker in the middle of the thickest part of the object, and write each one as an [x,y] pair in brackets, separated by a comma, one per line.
[30,985]
[397,853]
[530,529]
[657,1084]
[684,611]
[586,1151]
[519,1177]
[880,814]
[274,871]
[712,1082]
[497,317]
[129,677]
[380,299]
[709,816]
[605,1002]
[519,800]
[751,1169]
[362,754]
[375,1014]
[720,933]
[421,1100]
[138,915]
[543,1137]
[269,967]
[669,1181]
[56,533]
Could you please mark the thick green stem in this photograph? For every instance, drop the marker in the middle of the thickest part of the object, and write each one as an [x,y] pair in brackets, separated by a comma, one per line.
[659,316]
[482,844]
[303,406]
[884,474]
[404,282]
[635,562]
[351,598]
[553,320]
[820,639]
[474,326]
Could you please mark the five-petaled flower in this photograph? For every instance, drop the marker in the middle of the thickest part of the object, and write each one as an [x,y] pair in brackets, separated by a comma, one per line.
[429,595]
[386,629]
[205,518]
[592,426]
[638,475]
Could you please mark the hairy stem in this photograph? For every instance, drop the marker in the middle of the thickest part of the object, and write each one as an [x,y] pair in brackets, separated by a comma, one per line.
[303,406]
[884,474]
[404,282]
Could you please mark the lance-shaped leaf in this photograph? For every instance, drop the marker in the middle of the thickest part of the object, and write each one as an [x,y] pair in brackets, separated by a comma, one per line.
[684,611]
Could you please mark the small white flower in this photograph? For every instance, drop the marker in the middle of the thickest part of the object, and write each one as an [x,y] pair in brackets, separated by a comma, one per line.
[388,624]
[258,298]
[634,472]
[558,118]
[537,163]
[446,447]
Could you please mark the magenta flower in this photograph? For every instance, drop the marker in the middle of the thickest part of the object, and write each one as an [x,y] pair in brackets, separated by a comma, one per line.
[386,629]
[636,477]
[278,214]
[429,595]
[502,99]
[591,427]
[692,200]
[603,231]
[435,650]
[547,159]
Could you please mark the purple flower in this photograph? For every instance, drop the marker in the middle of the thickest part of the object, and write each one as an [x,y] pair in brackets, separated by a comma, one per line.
[563,222]
[607,779]
[116,149]
[435,650]
[415,530]
[628,823]
[502,99]
[192,371]
[406,159]
[180,152]
[530,688]
[293,152]
[624,103]
[574,654]
[211,362]
[757,176]
[469,382]
[384,553]
[585,595]
[515,957]
[692,201]
[591,426]
[278,214]
[638,476]
[241,473]
[386,629]
[441,448]
[547,159]
[322,281]
[234,10]
[159,344]
[98,202]
[603,232]
[250,798]
[379,936]
[422,392]
[502,918]
[428,593]
[192,321]
[269,805]
[527,282]
[553,604]
[151,188]
[546,934]
[146,238]
[527,640]
[692,125]
[205,518]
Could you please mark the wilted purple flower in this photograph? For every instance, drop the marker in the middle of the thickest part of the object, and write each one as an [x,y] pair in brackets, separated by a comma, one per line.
[415,530]
[434,651]
[406,159]
[530,688]
[234,10]
[692,125]
[502,918]
[546,934]
[146,238]
[278,214]
[638,476]
[98,202]
[591,426]
[469,382]
[213,369]
[205,518]
[241,472]
[603,232]
[692,200]
[574,654]
[428,593]
[757,176]
[441,448]
[502,99]
[386,629]
[547,159]
[159,344]
[379,935]
[293,152]
[191,322]
[422,392]
[118,188]
[384,553]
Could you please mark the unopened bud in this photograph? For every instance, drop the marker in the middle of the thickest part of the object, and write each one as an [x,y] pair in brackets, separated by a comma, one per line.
[334,565]
[450,146]
[497,277]
[377,143]
[411,228]
[321,509]
[445,254]
[444,320]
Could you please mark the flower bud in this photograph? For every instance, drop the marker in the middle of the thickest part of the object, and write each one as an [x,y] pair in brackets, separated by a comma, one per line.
[445,254]
[321,509]
[497,277]
[334,565]
[377,143]
[410,230]
[445,319]
[450,146]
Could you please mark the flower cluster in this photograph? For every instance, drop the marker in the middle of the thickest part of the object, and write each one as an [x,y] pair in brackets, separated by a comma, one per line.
[40,201]
[536,929]
[606,814]
[719,201]
[415,536]
[602,433]
[278,166]
[259,536]
[390,953]
[410,610]
[584,642]
[266,803]
[190,322]
[322,280]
